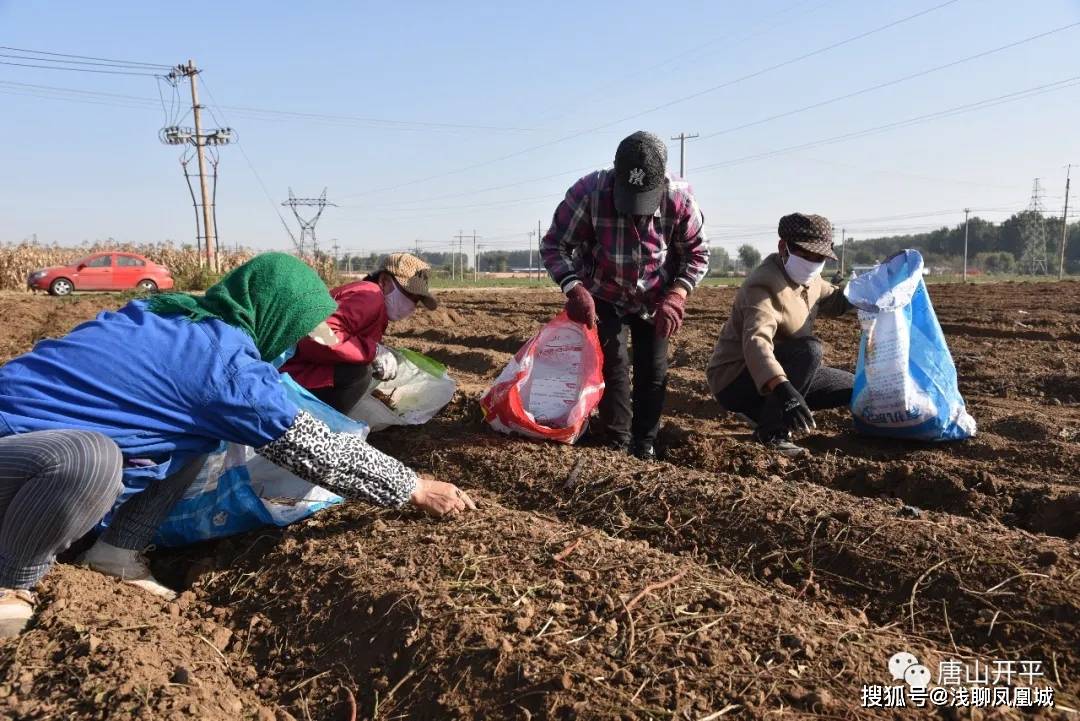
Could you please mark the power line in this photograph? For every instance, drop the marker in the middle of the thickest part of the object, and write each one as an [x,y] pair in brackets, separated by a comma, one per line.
[68,62]
[503,186]
[27,93]
[928,214]
[900,173]
[957,110]
[84,57]
[546,196]
[791,149]
[94,93]
[792,61]
[80,70]
[268,114]
[251,166]
[889,83]
[823,103]
[668,104]
[598,90]
[377,121]
[771,227]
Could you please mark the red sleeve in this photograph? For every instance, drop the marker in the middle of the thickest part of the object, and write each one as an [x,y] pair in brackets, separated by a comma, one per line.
[359,323]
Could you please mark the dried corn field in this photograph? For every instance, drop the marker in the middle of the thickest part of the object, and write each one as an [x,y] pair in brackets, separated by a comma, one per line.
[18,261]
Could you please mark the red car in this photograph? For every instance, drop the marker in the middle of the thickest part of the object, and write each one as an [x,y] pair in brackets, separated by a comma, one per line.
[103,271]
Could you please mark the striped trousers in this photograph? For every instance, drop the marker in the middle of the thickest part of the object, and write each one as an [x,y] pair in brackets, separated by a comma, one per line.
[54,487]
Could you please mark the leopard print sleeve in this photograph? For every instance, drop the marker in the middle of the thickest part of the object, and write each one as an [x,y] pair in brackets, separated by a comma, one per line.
[342,462]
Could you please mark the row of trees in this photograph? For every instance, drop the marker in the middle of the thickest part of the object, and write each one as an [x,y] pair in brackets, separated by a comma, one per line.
[490,262]
[502,261]
[992,247]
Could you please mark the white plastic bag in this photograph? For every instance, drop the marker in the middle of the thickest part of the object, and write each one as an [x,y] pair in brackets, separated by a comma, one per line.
[420,390]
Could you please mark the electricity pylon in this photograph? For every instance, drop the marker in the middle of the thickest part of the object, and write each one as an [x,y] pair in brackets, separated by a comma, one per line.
[307,225]
[1033,234]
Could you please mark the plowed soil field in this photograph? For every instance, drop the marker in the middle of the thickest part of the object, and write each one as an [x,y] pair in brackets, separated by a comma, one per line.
[720,583]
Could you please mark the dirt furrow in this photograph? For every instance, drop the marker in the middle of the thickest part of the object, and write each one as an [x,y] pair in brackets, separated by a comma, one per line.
[943,577]
[509,614]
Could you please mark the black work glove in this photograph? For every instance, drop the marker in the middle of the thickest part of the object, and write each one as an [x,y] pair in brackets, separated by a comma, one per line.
[797,415]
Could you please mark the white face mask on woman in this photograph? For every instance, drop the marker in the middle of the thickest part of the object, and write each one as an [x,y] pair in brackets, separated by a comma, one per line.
[801,270]
[398,305]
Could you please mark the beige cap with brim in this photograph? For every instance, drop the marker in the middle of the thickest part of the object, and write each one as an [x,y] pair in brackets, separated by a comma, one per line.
[412,274]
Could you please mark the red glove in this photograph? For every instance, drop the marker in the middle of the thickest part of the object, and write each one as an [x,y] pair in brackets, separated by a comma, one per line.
[669,314]
[580,306]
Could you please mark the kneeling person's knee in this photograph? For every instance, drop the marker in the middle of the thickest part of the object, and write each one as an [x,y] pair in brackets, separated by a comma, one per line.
[92,473]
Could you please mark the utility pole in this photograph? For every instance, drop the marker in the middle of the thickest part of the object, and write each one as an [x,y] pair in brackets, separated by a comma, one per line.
[843,249]
[176,135]
[476,258]
[682,138]
[1064,224]
[539,238]
[200,149]
[460,237]
[529,272]
[832,234]
[967,211]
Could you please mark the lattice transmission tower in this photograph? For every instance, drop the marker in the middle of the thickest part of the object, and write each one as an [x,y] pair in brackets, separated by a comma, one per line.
[1033,234]
[307,225]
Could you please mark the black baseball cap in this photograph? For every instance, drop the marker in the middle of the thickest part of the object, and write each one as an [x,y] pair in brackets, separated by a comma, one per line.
[640,174]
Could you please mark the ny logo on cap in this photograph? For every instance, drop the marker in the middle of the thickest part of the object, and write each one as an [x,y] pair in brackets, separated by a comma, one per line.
[637,177]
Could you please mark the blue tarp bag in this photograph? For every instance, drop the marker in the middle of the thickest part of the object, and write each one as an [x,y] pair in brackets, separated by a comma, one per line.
[905,382]
[237,491]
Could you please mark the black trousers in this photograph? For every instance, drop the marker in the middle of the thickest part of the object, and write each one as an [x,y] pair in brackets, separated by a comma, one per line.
[821,386]
[631,415]
[351,382]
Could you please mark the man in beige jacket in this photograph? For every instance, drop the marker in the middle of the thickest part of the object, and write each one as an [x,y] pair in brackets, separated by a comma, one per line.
[767,365]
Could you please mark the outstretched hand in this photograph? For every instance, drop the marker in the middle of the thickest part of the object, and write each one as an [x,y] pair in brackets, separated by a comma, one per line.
[440,499]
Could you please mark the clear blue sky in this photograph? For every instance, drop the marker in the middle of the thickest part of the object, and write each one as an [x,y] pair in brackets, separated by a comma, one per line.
[554,86]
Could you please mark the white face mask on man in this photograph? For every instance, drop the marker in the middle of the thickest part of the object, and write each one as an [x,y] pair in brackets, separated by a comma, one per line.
[398,305]
[801,270]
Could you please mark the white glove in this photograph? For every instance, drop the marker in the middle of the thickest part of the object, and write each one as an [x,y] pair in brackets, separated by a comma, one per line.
[385,365]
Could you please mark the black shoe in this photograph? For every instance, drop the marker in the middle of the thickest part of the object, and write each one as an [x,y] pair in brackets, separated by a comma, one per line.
[781,443]
[642,450]
[611,444]
[596,436]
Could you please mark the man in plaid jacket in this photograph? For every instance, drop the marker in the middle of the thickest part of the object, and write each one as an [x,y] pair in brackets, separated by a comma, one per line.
[627,246]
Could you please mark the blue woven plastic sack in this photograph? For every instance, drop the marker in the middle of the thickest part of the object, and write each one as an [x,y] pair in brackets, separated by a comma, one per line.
[237,491]
[905,382]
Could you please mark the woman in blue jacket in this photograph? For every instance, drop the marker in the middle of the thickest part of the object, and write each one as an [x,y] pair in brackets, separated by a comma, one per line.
[140,396]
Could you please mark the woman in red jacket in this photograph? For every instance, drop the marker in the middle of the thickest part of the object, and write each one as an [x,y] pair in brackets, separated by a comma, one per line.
[340,375]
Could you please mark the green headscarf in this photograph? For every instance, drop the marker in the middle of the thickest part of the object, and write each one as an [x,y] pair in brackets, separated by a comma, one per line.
[274,298]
